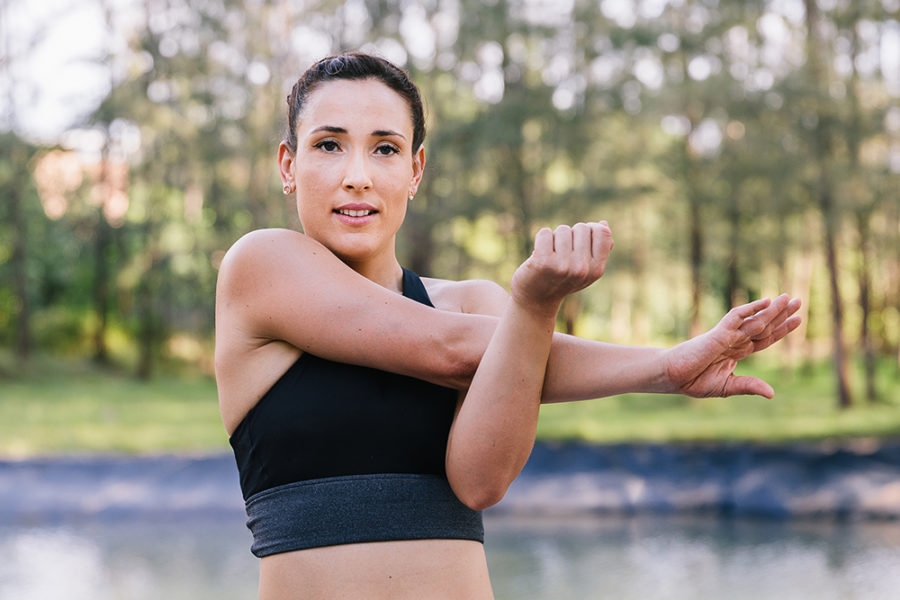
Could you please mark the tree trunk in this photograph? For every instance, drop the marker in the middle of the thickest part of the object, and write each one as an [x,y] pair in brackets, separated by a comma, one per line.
[823,195]
[862,206]
[640,311]
[147,310]
[696,249]
[571,310]
[18,260]
[101,287]
[865,304]
[420,230]
[837,311]
[733,279]
[103,231]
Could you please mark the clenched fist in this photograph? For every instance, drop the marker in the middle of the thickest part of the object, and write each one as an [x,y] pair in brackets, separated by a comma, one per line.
[564,261]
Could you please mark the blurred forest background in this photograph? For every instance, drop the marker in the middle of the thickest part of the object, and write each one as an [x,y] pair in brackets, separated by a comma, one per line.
[737,148]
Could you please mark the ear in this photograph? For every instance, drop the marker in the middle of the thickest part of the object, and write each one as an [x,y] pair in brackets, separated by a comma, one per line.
[418,169]
[286,164]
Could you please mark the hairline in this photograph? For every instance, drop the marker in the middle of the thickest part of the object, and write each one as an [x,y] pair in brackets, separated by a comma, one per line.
[313,87]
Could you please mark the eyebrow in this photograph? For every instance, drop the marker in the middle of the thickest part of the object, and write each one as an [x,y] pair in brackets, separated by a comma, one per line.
[387,132]
[376,133]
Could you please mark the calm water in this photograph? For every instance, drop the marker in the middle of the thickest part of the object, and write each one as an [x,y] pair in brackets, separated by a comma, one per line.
[558,559]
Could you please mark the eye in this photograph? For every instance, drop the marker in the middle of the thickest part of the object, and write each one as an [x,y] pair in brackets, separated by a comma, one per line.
[386,149]
[328,146]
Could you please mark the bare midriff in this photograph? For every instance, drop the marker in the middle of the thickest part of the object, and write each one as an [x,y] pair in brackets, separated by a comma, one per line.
[397,570]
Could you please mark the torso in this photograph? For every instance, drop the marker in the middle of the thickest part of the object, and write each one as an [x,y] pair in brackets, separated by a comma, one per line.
[406,570]
[433,568]
[258,364]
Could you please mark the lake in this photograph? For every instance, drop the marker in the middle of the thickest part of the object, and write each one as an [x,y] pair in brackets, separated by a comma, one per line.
[541,558]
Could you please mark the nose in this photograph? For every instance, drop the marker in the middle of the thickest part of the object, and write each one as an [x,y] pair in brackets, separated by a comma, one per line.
[356,175]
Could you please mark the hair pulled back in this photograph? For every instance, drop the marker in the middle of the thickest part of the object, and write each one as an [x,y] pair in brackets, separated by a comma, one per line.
[354,66]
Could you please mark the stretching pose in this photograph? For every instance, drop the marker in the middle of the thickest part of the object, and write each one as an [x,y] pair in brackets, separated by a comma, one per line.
[374,413]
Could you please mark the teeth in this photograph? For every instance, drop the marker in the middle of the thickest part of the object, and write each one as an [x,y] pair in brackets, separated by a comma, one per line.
[355,213]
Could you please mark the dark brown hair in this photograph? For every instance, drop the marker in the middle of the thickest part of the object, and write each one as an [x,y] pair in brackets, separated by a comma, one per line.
[355,65]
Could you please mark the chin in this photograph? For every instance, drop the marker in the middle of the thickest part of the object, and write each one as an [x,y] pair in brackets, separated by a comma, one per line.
[353,251]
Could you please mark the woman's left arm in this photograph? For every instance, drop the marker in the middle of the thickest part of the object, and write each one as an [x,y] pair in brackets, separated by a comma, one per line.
[493,431]
[703,366]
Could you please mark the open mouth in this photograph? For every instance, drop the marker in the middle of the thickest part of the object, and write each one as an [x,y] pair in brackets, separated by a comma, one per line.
[355,213]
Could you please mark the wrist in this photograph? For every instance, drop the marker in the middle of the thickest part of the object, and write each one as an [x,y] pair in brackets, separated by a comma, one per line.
[543,309]
[661,380]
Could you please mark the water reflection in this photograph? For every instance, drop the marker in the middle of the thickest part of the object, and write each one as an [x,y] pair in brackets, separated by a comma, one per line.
[535,558]
[690,558]
[190,558]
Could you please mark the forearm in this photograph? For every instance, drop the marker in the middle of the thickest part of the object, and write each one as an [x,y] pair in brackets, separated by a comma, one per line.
[493,432]
[577,369]
[580,369]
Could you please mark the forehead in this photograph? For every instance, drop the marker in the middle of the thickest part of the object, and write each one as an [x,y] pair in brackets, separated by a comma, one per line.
[366,104]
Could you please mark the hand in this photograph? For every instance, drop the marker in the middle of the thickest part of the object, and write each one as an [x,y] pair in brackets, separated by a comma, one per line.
[564,261]
[704,366]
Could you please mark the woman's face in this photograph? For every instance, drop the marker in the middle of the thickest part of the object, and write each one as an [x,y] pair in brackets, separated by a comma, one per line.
[354,168]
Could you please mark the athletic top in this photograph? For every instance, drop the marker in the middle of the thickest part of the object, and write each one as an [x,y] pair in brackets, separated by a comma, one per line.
[336,453]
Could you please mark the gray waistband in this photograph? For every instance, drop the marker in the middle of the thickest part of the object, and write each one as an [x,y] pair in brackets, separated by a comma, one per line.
[358,508]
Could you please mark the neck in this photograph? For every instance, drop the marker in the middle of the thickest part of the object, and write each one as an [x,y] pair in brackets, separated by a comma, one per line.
[386,273]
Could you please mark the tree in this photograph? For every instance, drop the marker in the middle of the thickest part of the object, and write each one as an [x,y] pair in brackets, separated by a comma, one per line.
[823,190]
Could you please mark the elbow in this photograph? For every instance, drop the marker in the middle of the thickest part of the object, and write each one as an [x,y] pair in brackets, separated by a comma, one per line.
[479,497]
[458,343]
[486,501]
[458,364]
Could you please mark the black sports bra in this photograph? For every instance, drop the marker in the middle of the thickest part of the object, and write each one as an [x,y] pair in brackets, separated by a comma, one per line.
[340,454]
[323,419]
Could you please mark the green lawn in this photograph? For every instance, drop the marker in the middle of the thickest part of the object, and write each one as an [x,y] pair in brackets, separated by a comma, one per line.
[55,406]
[61,407]
[804,408]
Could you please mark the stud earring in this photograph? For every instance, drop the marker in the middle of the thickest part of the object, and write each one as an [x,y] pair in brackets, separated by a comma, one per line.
[411,196]
[288,188]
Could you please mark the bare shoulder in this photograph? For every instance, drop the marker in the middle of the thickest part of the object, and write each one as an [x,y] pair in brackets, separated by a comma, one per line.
[472,296]
[262,240]
[255,252]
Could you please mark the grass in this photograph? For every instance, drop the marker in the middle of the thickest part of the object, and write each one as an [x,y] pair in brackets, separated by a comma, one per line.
[57,407]
[804,408]
[61,407]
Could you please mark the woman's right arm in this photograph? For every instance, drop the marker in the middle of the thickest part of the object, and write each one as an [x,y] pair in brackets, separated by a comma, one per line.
[277,284]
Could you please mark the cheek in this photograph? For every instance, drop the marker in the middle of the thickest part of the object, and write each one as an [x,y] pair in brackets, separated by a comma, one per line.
[400,177]
[312,181]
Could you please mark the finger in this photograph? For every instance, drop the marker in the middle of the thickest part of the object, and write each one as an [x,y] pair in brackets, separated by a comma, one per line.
[543,242]
[790,307]
[581,240]
[737,316]
[601,240]
[758,325]
[751,308]
[782,330]
[562,240]
[581,263]
[743,385]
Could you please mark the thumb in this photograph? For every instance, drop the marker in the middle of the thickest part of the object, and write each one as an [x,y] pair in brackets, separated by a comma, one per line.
[742,384]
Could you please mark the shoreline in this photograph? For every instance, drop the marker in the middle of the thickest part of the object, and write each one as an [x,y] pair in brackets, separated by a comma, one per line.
[847,479]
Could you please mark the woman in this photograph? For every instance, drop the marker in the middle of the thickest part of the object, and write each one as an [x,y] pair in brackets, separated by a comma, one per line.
[374,413]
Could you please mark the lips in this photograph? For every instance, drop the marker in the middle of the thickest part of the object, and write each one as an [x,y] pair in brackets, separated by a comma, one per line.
[356,213]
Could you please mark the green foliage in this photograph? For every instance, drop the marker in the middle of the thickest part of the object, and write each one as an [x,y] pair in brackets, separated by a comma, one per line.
[802,409]
[64,407]
[69,406]
[699,133]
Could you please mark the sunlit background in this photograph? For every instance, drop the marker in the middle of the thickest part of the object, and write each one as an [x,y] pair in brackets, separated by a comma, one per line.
[737,148]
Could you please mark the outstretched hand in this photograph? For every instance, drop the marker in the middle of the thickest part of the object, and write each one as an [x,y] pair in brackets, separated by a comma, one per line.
[704,366]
